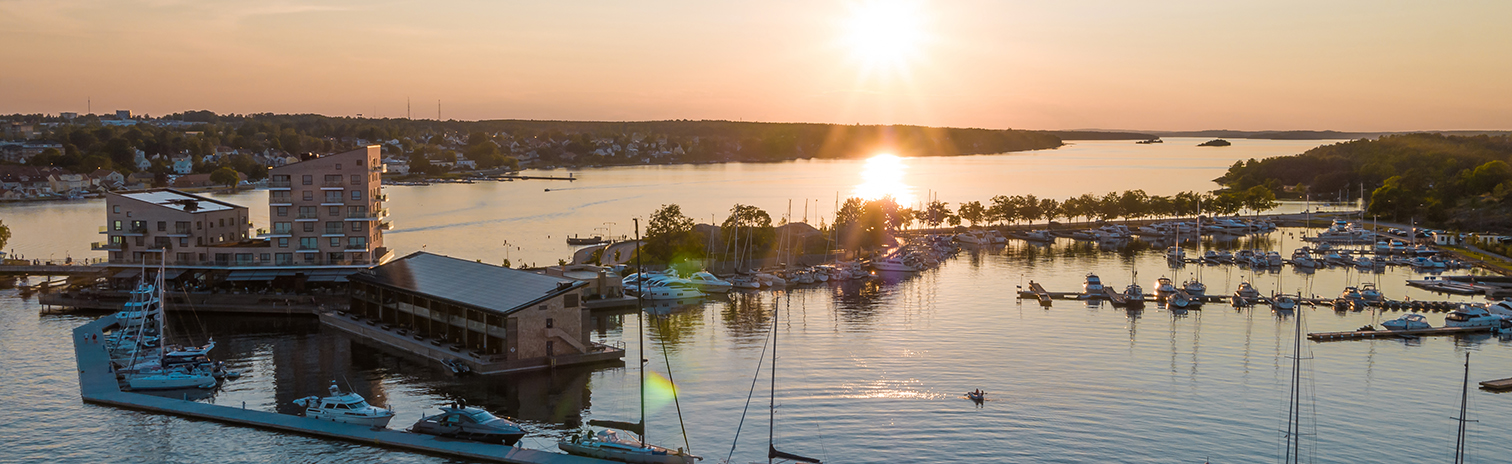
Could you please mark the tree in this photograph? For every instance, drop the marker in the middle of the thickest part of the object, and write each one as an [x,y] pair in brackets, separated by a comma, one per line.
[973,212]
[937,213]
[669,236]
[225,176]
[1259,198]
[4,234]
[754,227]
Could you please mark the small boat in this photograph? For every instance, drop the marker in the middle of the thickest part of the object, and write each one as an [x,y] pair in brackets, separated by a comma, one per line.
[977,396]
[1246,291]
[1210,257]
[1178,300]
[1284,302]
[469,423]
[892,264]
[1093,285]
[349,408]
[623,446]
[457,366]
[1351,294]
[1474,316]
[707,282]
[1301,258]
[1134,295]
[1407,322]
[1194,288]
[1164,288]
[1370,293]
[1175,253]
[1273,259]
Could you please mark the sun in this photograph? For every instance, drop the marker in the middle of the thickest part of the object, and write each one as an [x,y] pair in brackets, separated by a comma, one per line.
[884,33]
[883,176]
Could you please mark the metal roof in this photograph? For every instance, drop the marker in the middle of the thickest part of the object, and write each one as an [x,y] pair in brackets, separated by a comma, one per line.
[483,286]
[169,198]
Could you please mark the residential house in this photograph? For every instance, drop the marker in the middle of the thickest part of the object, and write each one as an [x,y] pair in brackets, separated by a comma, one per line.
[183,164]
[62,181]
[107,178]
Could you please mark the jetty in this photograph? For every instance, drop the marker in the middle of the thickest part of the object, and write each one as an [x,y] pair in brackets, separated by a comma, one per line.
[1413,333]
[1497,385]
[98,385]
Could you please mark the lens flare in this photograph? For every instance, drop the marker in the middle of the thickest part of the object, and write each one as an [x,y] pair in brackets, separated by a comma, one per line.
[659,391]
[882,176]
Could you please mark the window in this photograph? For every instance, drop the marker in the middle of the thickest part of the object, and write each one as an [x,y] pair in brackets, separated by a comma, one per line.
[332,180]
[309,179]
[309,258]
[281,211]
[117,209]
[338,166]
[333,258]
[356,179]
[308,243]
[199,225]
[334,211]
[358,226]
[309,227]
[282,227]
[333,227]
[279,196]
[356,195]
[335,242]
[185,257]
[117,225]
[138,226]
[181,227]
[162,226]
[139,241]
[283,258]
[356,211]
[283,242]
[309,195]
[333,196]
[200,241]
[183,241]
[223,222]
[548,323]
[356,243]
[243,258]
[265,257]
[307,212]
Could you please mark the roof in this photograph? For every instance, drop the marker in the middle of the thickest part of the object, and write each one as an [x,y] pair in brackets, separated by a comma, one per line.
[483,286]
[169,198]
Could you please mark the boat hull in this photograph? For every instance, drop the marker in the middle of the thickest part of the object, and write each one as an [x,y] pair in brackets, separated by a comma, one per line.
[624,455]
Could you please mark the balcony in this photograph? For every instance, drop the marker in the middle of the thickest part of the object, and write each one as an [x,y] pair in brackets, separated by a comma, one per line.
[386,225]
[333,183]
[373,215]
[105,246]
[307,216]
[381,198]
[280,184]
[127,230]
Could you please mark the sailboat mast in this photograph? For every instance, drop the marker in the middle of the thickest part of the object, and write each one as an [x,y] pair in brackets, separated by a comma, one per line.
[1294,408]
[640,351]
[772,405]
[1459,439]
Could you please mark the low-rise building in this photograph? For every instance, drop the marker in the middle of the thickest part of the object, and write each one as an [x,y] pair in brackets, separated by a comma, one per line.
[496,318]
[183,227]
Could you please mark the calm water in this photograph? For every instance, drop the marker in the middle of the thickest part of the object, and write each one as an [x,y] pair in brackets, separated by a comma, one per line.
[869,373]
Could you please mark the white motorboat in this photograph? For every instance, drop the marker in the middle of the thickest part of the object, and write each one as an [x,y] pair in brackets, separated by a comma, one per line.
[1474,316]
[1134,294]
[1369,292]
[1093,285]
[667,290]
[1500,308]
[1407,322]
[1178,300]
[1273,259]
[1210,257]
[1225,257]
[1175,253]
[707,282]
[1246,291]
[348,407]
[1303,259]
[1164,288]
[1194,288]
[170,379]
[623,446]
[1352,294]
[892,264]
[1284,302]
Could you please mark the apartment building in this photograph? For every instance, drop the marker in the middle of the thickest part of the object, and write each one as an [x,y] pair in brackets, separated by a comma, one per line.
[328,210]
[184,228]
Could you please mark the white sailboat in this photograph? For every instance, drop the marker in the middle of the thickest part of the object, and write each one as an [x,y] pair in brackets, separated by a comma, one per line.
[159,375]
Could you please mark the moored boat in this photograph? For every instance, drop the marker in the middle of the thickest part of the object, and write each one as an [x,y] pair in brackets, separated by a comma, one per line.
[349,408]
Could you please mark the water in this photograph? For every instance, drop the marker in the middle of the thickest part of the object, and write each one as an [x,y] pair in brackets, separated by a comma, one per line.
[868,373]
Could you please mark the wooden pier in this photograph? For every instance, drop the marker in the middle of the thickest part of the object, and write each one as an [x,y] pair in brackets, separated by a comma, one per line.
[1497,385]
[98,385]
[1373,334]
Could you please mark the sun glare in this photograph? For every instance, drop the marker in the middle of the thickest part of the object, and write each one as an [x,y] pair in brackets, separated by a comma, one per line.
[884,33]
[882,176]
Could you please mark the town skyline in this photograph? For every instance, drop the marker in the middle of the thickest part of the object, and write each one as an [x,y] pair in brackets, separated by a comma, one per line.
[1348,66]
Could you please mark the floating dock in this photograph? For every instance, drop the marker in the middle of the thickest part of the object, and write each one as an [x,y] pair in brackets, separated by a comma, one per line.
[1497,385]
[1371,334]
[98,385]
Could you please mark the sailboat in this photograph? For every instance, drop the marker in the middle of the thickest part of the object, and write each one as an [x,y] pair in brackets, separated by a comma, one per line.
[772,452]
[1459,439]
[1292,452]
[628,443]
[162,376]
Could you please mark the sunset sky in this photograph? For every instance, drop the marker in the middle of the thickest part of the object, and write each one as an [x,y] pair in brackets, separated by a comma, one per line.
[1116,64]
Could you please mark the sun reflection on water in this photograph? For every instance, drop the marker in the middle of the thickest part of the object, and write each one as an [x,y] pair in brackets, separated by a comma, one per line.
[882,176]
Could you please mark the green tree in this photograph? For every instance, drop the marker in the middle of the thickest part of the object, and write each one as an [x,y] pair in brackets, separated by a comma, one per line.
[936,213]
[1259,198]
[669,237]
[973,212]
[751,229]
[4,234]
[225,176]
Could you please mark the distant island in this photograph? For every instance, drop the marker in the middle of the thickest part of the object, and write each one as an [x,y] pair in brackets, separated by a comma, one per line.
[1215,143]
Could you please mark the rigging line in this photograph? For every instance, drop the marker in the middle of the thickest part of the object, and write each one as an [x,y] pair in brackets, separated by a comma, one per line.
[752,393]
[662,321]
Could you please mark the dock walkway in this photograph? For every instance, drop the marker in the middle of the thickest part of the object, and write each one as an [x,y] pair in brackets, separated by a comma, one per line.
[1369,334]
[98,385]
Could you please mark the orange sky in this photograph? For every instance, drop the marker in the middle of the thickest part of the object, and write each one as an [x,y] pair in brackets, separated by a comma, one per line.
[1156,65]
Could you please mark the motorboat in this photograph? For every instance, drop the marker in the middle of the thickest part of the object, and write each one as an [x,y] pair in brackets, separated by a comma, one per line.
[1500,308]
[1273,259]
[1035,236]
[1210,257]
[1333,257]
[1134,294]
[1369,292]
[1246,291]
[1365,262]
[1225,257]
[349,408]
[1407,322]
[1093,285]
[1351,294]
[1343,231]
[977,396]
[1302,258]
[623,446]
[707,282]
[1194,288]
[1178,300]
[1474,316]
[469,423]
[1175,253]
[1164,288]
[892,264]
[667,290]
[1284,302]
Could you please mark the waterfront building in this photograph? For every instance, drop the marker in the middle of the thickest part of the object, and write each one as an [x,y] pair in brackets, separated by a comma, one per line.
[329,209]
[496,318]
[605,289]
[187,229]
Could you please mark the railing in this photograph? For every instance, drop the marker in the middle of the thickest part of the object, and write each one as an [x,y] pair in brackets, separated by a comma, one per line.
[105,246]
[307,216]
[385,225]
[381,198]
[280,184]
[297,261]
[333,183]
[377,213]
[183,231]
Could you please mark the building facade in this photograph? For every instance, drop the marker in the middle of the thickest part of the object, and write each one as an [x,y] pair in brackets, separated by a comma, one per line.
[329,209]
[184,228]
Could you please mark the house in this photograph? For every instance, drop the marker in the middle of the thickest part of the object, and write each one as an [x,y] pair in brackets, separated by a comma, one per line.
[138,180]
[142,163]
[107,178]
[1445,238]
[495,318]
[27,181]
[183,165]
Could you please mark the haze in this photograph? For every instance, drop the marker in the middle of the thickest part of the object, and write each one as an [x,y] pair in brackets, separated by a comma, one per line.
[1172,65]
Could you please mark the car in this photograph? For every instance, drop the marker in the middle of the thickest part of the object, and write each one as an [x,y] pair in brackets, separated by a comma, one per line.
[469,423]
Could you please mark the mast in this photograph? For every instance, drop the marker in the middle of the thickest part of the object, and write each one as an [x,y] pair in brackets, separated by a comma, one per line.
[1294,409]
[772,405]
[1459,440]
[640,354]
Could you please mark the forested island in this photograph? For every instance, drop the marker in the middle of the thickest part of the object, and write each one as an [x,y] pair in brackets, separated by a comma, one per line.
[1443,180]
